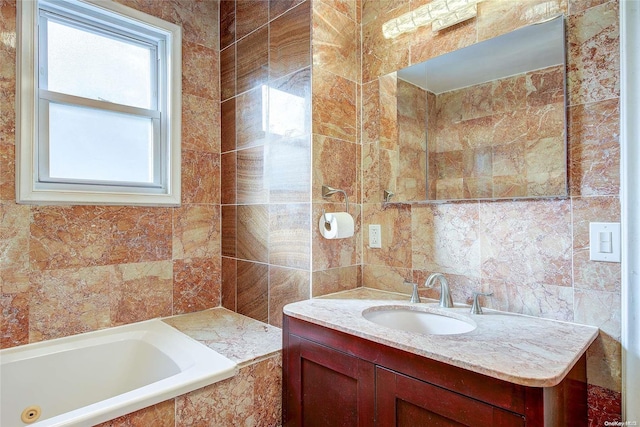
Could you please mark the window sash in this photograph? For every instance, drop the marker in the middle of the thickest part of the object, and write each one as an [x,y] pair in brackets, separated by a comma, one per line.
[123,34]
[159,160]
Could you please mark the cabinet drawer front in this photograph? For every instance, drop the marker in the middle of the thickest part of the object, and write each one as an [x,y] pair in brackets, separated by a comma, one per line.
[406,401]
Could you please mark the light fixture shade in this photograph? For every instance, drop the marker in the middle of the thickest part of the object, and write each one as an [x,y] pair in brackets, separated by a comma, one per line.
[454,18]
[440,13]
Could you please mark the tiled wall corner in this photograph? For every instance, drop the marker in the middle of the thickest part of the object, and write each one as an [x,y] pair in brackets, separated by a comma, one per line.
[266,155]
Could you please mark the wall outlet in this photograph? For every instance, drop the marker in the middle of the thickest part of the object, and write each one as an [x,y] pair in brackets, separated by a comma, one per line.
[375,236]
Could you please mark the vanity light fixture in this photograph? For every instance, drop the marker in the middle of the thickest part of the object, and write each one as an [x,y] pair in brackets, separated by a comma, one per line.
[440,13]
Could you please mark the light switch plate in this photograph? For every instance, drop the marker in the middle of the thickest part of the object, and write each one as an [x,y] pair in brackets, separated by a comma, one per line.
[604,241]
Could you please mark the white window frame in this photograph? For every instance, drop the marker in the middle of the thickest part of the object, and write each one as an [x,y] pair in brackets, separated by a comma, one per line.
[33,185]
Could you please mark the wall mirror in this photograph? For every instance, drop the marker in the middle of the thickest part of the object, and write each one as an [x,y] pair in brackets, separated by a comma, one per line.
[484,122]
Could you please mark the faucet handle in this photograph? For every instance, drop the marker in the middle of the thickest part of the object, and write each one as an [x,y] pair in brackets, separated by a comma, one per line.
[414,295]
[476,308]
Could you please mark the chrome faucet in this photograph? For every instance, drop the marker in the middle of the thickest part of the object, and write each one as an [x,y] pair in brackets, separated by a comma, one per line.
[415,298]
[476,308]
[445,295]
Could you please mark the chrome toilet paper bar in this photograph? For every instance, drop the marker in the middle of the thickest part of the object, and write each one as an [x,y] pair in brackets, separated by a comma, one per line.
[329,191]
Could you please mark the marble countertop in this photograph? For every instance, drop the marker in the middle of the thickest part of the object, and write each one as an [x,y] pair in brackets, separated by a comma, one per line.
[237,337]
[525,350]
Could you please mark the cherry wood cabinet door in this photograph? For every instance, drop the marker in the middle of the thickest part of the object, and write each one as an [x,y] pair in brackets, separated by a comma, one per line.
[407,402]
[326,387]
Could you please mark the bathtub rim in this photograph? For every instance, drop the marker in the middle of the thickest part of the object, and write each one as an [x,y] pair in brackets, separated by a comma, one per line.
[194,361]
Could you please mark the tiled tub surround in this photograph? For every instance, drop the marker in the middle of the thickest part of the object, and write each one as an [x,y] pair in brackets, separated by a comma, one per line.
[65,270]
[250,398]
[519,349]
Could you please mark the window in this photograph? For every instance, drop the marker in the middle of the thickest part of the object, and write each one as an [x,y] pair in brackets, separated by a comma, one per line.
[98,105]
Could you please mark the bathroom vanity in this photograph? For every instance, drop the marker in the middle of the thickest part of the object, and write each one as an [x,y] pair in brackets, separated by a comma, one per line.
[340,369]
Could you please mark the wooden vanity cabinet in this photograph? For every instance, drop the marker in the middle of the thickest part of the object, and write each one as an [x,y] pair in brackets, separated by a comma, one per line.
[331,378]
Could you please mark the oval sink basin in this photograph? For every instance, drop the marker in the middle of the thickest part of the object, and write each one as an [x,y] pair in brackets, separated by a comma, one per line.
[422,322]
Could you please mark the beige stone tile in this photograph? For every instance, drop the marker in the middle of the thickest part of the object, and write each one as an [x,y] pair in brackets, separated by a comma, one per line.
[289,235]
[14,323]
[334,106]
[199,66]
[426,44]
[228,72]
[196,284]
[593,54]
[14,247]
[229,268]
[252,58]
[446,238]
[336,280]
[158,415]
[286,286]
[228,166]
[334,164]
[395,223]
[227,23]
[251,181]
[381,56]
[252,398]
[196,231]
[335,42]
[496,17]
[388,127]
[200,124]
[371,110]
[252,287]
[229,225]
[349,8]
[387,278]
[532,299]
[250,15]
[604,362]
[594,149]
[290,41]
[249,115]
[252,232]
[71,301]
[228,125]
[7,170]
[200,177]
[80,236]
[526,243]
[143,292]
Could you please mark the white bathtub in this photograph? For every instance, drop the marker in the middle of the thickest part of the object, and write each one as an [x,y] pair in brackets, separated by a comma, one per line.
[97,376]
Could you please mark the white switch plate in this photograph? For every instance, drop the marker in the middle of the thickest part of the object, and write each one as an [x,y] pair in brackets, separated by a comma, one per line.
[375,236]
[604,241]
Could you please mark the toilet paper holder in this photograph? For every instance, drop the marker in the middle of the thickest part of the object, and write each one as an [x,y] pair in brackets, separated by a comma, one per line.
[329,191]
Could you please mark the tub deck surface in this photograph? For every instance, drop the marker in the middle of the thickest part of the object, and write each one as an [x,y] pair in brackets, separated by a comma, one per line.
[239,338]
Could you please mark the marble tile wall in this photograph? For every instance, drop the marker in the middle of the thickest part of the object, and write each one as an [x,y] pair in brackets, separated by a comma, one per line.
[265,78]
[71,269]
[336,157]
[532,254]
